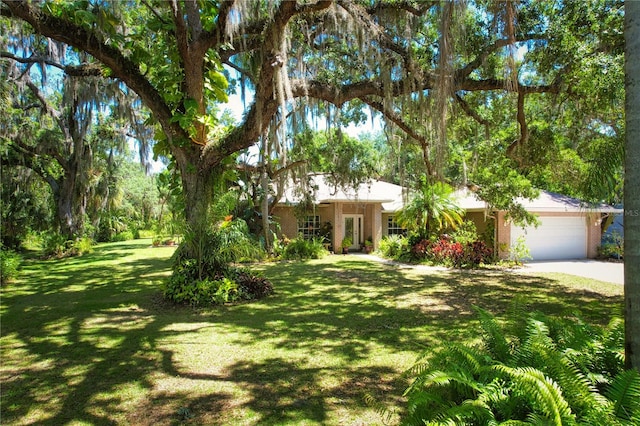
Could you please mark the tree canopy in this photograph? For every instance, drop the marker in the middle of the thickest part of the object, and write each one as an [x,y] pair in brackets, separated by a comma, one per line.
[419,64]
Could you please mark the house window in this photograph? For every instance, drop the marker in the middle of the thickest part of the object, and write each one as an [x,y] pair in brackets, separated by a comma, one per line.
[309,227]
[393,228]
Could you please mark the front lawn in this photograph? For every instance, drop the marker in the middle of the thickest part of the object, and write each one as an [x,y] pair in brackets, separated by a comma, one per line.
[89,340]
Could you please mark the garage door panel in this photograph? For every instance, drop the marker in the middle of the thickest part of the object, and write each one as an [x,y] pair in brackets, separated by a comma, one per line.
[554,238]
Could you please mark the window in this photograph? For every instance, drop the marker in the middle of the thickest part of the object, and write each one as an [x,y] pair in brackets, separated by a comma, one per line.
[393,228]
[309,227]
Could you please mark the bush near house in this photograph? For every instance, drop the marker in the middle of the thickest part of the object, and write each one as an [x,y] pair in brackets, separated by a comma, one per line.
[461,249]
[301,248]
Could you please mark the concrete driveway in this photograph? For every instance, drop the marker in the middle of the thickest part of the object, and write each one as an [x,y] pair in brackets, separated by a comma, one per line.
[611,272]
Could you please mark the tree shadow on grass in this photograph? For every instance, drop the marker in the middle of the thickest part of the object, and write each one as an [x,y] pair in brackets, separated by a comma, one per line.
[90,341]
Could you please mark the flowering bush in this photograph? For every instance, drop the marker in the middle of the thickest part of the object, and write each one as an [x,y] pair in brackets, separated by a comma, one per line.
[421,249]
[452,253]
[447,252]
[478,252]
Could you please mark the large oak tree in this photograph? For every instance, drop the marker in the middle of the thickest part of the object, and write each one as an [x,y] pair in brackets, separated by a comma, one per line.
[391,56]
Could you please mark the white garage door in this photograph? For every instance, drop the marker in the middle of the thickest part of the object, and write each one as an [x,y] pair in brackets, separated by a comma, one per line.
[554,238]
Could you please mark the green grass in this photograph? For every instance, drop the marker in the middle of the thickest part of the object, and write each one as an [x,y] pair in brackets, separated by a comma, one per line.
[89,340]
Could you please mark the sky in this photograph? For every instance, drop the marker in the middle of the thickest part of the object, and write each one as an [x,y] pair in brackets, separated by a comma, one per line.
[371,126]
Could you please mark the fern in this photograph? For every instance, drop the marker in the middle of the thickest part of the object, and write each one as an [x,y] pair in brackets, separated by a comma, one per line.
[494,337]
[545,393]
[625,391]
[533,370]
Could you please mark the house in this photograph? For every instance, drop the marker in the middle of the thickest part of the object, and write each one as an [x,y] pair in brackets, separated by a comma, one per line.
[568,228]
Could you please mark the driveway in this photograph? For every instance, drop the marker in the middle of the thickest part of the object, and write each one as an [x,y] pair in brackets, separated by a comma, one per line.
[611,272]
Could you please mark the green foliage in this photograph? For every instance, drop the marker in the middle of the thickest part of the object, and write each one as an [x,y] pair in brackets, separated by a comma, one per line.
[460,250]
[301,248]
[346,160]
[393,246]
[533,370]
[519,251]
[212,250]
[9,265]
[500,186]
[202,274]
[54,244]
[82,246]
[226,286]
[122,236]
[430,210]
[612,247]
[25,206]
[346,242]
[465,233]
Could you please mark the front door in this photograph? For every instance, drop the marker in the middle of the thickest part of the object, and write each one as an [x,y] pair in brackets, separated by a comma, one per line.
[353,229]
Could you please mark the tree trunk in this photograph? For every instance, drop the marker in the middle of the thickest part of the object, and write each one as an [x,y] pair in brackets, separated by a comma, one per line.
[264,209]
[632,186]
[197,187]
[71,204]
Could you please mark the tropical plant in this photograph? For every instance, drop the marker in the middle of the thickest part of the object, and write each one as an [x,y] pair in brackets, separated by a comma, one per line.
[533,370]
[430,209]
[301,248]
[393,246]
[346,242]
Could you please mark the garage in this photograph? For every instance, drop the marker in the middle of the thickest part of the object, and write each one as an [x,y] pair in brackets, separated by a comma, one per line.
[555,238]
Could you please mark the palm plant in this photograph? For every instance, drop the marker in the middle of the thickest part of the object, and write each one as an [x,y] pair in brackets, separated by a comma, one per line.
[430,209]
[555,372]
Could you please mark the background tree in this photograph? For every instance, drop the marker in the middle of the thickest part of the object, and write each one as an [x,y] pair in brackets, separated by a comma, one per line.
[61,136]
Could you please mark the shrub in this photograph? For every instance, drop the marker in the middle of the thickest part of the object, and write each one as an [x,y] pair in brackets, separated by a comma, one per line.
[300,248]
[421,249]
[612,247]
[252,286]
[474,254]
[9,264]
[201,292]
[447,252]
[122,236]
[394,246]
[519,251]
[228,286]
[202,271]
[55,244]
[82,246]
[465,233]
[534,369]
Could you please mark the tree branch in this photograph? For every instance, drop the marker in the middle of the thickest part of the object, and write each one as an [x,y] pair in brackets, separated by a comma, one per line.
[83,70]
[469,111]
[398,121]
[524,130]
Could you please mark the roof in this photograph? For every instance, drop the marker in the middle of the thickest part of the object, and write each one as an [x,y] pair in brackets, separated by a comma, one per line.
[391,197]
[374,191]
[546,202]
